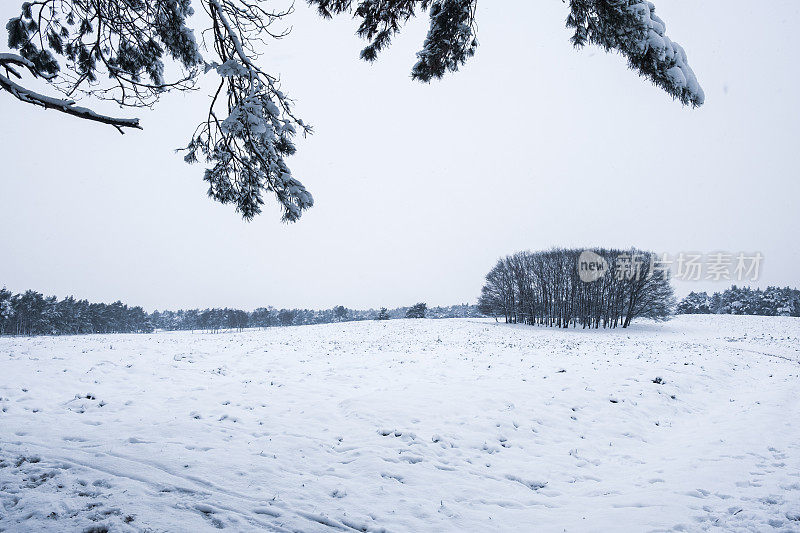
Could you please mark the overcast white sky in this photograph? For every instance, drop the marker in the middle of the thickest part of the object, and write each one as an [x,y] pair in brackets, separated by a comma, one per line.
[420,188]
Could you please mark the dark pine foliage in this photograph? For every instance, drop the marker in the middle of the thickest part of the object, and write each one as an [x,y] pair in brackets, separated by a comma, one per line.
[118,50]
[417,310]
[629,27]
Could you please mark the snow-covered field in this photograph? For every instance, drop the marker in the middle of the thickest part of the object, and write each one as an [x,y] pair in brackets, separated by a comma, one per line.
[407,425]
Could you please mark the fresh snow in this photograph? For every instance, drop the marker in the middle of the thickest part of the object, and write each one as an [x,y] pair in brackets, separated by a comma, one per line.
[665,51]
[406,425]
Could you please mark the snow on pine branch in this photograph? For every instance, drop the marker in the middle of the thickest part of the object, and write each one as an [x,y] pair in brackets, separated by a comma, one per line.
[664,60]
[628,26]
[247,135]
[450,41]
[116,50]
[632,28]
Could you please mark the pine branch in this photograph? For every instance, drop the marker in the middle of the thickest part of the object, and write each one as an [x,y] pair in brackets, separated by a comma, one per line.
[65,106]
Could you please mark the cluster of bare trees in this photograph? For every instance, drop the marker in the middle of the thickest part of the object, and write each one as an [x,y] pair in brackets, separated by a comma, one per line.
[549,288]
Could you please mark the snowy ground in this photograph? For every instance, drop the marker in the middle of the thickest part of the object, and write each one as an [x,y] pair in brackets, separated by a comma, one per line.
[448,425]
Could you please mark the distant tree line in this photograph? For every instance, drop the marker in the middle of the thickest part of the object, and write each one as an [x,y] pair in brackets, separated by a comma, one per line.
[772,301]
[546,288]
[31,313]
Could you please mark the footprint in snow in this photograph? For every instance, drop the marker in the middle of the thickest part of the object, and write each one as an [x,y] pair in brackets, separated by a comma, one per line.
[208,513]
[533,485]
[267,511]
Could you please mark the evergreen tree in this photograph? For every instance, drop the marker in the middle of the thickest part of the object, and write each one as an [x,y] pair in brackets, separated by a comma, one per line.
[340,312]
[286,317]
[772,301]
[6,311]
[264,317]
[383,314]
[694,303]
[417,310]
[123,50]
